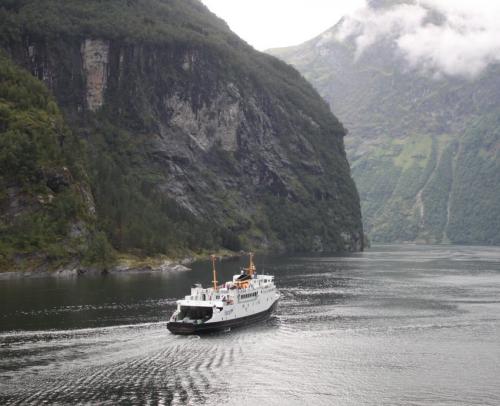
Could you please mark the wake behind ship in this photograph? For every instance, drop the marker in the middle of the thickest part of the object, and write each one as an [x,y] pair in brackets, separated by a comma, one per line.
[248,298]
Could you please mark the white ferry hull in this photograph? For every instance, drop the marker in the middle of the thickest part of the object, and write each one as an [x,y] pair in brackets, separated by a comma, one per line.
[183,328]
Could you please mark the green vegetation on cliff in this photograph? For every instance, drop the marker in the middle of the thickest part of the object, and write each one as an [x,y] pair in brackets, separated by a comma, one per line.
[151,21]
[474,207]
[41,176]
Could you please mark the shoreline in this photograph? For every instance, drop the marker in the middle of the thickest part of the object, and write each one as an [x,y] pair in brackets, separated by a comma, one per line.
[125,265]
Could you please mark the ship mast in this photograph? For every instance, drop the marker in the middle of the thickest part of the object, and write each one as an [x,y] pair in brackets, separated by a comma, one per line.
[251,266]
[212,257]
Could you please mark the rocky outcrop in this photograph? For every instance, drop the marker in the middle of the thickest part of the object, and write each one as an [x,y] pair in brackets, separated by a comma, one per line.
[205,128]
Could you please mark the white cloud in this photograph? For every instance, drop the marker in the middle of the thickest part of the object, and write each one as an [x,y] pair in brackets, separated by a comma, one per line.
[368,25]
[464,43]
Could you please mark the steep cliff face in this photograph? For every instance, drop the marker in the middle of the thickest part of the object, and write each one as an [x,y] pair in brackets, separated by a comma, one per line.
[194,139]
[423,148]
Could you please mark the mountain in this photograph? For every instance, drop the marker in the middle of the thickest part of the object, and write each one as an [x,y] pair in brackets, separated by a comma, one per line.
[191,139]
[424,145]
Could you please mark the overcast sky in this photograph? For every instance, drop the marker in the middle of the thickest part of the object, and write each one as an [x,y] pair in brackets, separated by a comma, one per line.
[277,23]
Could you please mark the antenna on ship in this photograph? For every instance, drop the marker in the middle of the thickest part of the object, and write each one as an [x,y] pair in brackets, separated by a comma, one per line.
[212,257]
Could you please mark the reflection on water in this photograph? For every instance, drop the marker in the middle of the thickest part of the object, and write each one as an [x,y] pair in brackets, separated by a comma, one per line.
[394,325]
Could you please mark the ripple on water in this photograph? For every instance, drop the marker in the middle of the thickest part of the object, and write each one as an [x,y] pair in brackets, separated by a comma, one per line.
[373,328]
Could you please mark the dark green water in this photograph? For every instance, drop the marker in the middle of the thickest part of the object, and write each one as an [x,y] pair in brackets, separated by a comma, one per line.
[395,325]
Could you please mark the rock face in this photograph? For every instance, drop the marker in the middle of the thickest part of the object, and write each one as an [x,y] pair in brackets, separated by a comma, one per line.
[95,55]
[195,140]
[424,149]
[203,127]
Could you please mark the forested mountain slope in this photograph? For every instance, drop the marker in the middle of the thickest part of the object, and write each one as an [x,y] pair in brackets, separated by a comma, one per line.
[46,207]
[424,147]
[192,140]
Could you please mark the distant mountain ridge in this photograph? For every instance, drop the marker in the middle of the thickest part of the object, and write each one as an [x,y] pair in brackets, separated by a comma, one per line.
[424,150]
[193,140]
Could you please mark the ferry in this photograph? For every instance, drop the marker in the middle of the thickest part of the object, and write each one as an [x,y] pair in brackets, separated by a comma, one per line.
[248,298]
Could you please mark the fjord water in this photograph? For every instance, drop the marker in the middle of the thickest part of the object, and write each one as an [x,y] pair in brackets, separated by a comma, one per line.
[400,325]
